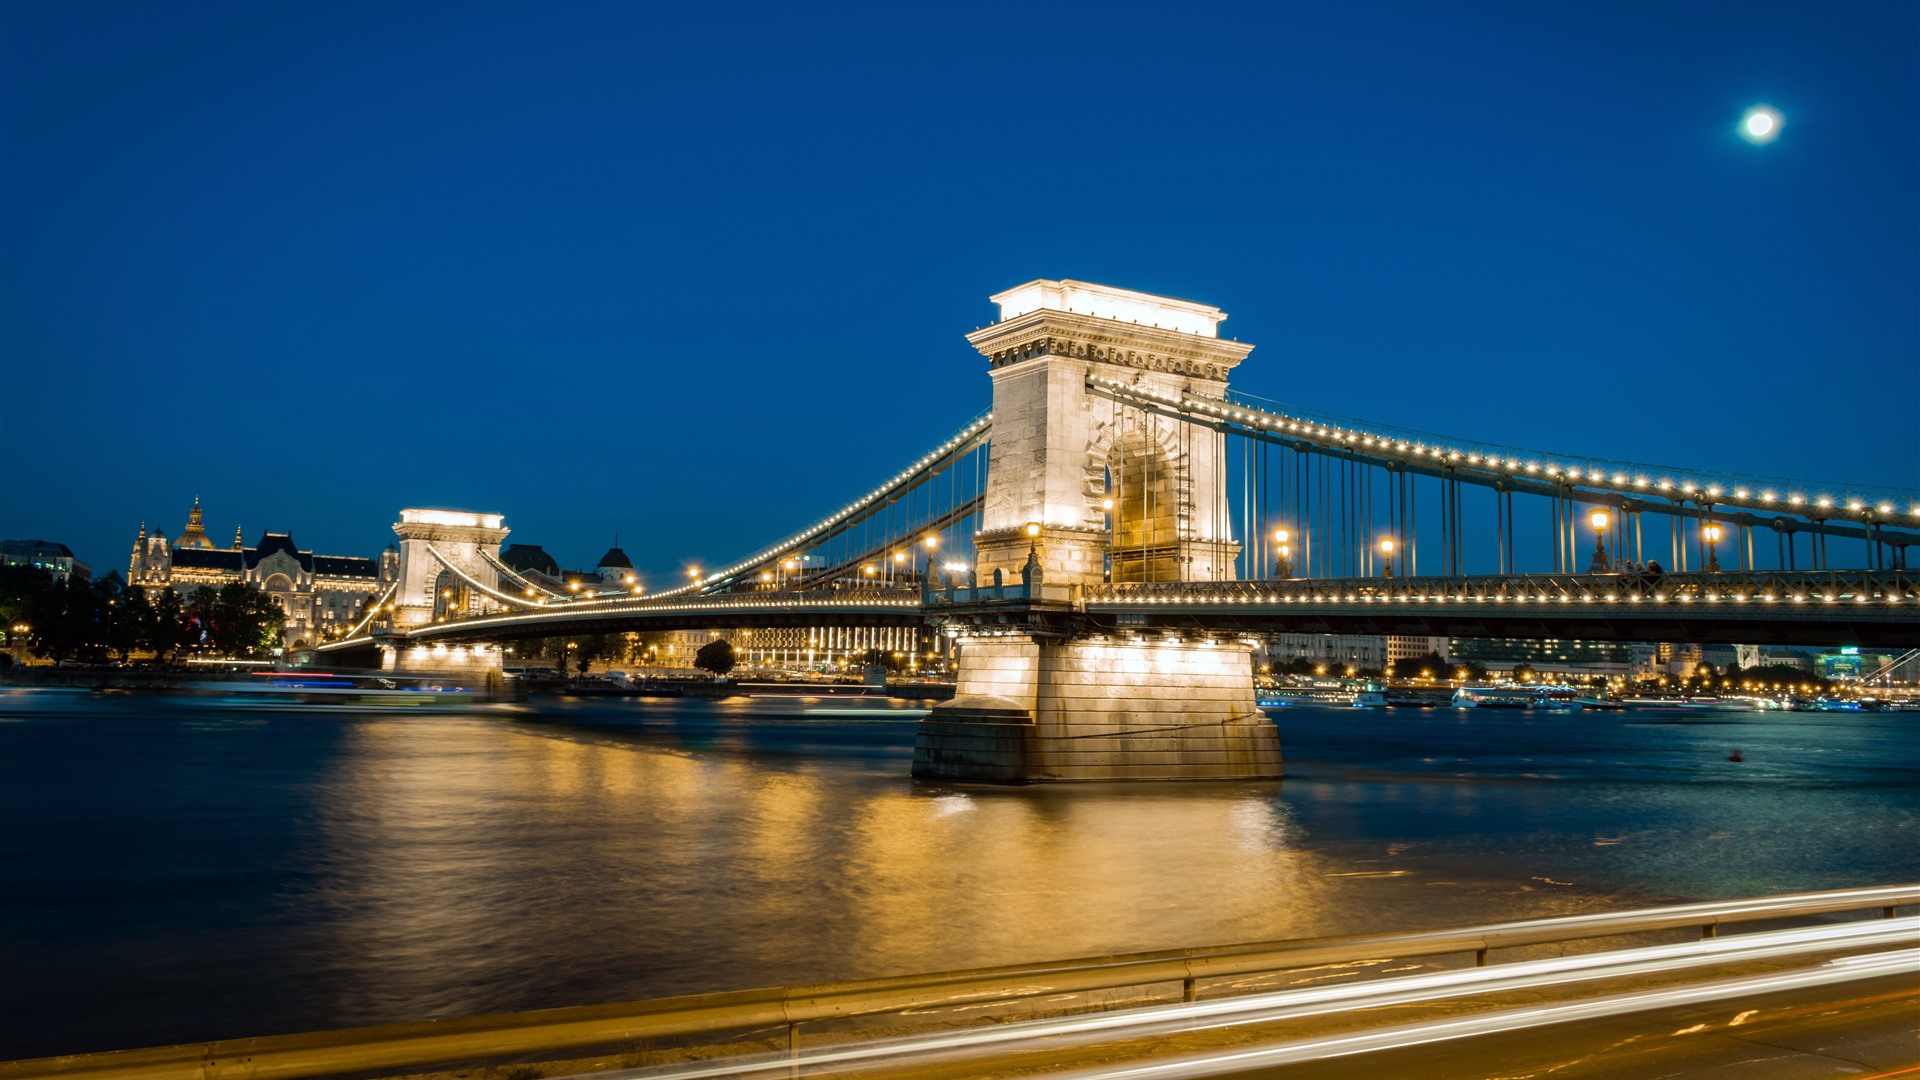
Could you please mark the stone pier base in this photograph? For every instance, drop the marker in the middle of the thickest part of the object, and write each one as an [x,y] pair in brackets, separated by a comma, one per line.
[1030,710]
[469,660]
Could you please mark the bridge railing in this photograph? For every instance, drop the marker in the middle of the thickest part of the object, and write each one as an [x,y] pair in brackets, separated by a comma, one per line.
[754,600]
[552,1031]
[1780,588]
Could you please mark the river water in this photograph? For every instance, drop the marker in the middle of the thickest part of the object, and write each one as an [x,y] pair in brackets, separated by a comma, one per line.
[173,872]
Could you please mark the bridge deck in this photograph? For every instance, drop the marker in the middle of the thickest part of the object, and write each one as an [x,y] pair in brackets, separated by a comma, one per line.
[1878,608]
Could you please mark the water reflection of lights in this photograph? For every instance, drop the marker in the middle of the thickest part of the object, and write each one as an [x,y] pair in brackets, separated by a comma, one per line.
[1100,1028]
[465,862]
[950,804]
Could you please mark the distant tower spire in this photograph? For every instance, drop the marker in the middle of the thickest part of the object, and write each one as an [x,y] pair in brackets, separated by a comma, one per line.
[236,538]
[195,535]
[137,565]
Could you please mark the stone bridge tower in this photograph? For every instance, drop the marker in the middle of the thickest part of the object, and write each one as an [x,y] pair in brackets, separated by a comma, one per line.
[428,588]
[1116,494]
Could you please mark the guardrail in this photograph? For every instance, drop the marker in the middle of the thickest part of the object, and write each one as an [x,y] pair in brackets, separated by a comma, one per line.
[1781,589]
[394,1046]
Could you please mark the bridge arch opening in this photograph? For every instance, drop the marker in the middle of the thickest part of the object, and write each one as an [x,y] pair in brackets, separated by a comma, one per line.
[1141,469]
[449,595]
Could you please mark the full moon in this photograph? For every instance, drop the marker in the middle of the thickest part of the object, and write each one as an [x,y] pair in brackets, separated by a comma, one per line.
[1760,125]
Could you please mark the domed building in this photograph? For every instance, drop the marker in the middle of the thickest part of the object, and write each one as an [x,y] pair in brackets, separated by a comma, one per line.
[615,568]
[318,593]
[195,536]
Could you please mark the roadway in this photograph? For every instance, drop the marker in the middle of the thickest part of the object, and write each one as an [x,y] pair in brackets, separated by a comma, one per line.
[1867,1032]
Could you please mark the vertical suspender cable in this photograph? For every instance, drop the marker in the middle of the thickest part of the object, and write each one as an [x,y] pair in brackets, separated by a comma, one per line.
[1304,492]
[1326,509]
[1413,524]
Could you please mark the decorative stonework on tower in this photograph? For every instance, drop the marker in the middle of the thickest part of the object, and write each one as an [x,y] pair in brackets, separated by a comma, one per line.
[1081,490]
[1061,455]
[434,585]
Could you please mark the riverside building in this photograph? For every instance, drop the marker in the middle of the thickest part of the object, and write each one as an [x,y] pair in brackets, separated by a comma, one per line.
[56,559]
[318,593]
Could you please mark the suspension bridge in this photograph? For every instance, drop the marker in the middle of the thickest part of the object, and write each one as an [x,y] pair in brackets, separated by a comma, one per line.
[1100,544]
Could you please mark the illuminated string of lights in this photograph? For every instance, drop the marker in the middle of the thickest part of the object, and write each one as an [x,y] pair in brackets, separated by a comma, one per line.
[1886,587]
[962,442]
[751,603]
[515,575]
[371,612]
[1808,499]
[469,579]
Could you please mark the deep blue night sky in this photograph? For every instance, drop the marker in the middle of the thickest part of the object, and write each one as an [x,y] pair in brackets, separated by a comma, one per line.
[700,274]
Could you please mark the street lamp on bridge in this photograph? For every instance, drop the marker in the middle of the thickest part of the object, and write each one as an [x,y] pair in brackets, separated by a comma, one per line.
[1599,519]
[1386,556]
[1711,531]
[1283,559]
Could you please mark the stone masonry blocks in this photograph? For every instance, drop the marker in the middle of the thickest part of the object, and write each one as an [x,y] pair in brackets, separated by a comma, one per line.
[1099,709]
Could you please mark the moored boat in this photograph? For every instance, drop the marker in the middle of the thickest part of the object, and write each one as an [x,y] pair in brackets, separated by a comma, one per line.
[1495,697]
[329,691]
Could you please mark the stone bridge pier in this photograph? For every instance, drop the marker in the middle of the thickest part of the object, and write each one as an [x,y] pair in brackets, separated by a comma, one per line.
[1080,491]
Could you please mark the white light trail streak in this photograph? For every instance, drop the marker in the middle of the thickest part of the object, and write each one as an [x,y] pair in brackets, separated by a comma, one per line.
[1319,1001]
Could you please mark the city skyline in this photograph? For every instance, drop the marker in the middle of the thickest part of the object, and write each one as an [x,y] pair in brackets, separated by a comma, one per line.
[695,281]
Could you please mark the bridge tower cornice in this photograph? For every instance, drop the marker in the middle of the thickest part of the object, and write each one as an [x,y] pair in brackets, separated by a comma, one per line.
[1098,341]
